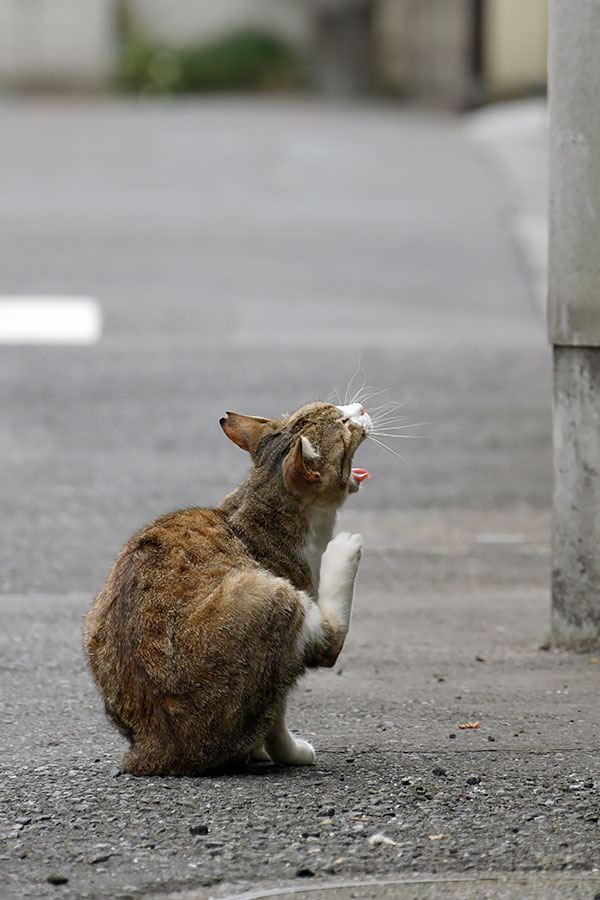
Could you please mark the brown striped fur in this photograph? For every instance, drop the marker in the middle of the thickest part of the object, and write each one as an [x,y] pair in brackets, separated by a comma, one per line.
[194,638]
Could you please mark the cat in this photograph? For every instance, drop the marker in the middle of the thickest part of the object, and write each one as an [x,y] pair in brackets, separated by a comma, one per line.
[209,616]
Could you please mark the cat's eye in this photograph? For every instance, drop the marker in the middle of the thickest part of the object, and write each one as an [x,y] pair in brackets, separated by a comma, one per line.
[345,420]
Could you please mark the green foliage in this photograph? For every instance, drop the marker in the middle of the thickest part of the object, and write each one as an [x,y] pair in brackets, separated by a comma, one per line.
[243,60]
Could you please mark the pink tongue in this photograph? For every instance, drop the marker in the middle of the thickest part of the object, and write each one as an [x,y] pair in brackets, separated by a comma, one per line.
[360,474]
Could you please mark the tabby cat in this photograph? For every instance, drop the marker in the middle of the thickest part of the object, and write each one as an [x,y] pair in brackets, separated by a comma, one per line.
[209,616]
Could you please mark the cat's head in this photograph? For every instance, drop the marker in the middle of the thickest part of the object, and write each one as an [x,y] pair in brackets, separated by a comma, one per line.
[311,451]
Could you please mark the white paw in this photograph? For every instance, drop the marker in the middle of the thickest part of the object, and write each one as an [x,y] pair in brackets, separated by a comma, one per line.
[291,751]
[303,753]
[342,555]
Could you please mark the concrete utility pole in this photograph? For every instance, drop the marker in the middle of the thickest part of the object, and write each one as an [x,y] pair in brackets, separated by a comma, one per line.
[574,318]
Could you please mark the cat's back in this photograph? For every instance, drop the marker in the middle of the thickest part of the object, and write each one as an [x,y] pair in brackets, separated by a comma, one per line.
[197,543]
[177,560]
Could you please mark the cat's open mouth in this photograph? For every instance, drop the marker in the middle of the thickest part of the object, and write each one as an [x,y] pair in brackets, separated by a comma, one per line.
[357,476]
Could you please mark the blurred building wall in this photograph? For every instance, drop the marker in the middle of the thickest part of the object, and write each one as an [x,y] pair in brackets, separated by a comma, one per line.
[178,21]
[457,53]
[59,43]
[426,48]
[454,53]
[515,45]
[391,36]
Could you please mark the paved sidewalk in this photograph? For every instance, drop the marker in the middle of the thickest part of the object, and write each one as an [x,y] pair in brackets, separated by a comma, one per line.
[513,136]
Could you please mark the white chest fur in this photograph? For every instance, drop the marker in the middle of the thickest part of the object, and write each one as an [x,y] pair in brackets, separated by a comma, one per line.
[320,532]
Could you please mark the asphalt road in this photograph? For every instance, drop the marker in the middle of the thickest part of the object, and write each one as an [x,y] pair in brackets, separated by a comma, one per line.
[246,255]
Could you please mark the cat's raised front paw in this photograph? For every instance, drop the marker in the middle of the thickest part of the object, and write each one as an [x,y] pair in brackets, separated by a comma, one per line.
[343,553]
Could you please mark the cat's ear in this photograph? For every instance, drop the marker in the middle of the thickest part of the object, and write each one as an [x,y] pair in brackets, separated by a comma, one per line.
[245,431]
[299,473]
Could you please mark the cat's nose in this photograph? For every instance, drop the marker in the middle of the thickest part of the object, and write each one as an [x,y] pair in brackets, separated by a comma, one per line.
[353,411]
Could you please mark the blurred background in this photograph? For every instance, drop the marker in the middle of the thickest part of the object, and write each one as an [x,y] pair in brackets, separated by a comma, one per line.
[244,204]
[456,53]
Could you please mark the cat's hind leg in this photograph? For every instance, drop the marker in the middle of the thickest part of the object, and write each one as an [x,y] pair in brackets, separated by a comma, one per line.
[259,754]
[150,759]
[283,747]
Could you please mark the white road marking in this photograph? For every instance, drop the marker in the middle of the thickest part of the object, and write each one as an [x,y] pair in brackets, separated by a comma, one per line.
[52,320]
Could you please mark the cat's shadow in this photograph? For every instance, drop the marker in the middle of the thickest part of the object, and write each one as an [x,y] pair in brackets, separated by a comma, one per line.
[235,770]
[256,770]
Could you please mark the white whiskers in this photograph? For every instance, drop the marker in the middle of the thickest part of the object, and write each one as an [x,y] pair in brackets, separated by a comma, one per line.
[358,372]
[388,420]
[393,452]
